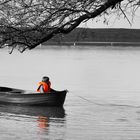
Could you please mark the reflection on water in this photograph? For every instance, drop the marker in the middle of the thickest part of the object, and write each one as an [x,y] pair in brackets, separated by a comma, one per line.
[43,116]
[54,112]
[43,122]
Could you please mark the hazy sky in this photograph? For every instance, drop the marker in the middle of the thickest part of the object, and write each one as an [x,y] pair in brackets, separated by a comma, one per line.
[115,23]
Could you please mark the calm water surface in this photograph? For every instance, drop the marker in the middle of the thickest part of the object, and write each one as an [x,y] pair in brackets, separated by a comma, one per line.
[103,102]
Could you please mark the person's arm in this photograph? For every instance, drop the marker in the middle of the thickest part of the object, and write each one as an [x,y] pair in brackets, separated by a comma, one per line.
[41,89]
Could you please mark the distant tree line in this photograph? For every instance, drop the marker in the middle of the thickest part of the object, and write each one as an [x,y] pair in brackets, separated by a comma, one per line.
[83,35]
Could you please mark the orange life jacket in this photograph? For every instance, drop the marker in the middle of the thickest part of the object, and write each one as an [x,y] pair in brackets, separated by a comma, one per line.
[46,86]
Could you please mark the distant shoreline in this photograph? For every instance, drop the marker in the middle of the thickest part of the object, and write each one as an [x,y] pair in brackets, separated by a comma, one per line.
[100,43]
[93,44]
[85,45]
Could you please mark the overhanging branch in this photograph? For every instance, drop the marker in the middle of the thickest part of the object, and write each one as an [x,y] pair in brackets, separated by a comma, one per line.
[31,24]
[74,23]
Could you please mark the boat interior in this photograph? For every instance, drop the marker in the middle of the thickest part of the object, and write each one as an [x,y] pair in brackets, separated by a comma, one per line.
[10,90]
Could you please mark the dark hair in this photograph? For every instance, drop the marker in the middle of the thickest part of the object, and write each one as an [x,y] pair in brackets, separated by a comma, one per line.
[45,78]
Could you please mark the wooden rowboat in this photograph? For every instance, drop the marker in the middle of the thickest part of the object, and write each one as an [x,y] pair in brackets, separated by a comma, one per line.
[23,97]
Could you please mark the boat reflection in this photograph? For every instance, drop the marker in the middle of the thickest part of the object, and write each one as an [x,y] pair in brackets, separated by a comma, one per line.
[42,113]
[54,112]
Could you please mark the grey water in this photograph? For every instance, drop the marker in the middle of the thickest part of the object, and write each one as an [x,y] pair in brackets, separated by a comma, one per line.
[103,102]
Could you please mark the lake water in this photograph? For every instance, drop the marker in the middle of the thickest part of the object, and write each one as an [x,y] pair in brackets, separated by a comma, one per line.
[103,102]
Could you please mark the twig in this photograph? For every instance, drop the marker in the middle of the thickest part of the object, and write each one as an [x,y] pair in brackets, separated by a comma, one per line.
[125,15]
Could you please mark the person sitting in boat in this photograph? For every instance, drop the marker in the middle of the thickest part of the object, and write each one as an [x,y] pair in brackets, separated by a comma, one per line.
[45,85]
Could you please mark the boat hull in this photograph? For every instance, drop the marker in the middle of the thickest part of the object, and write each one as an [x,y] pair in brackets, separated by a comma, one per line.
[16,96]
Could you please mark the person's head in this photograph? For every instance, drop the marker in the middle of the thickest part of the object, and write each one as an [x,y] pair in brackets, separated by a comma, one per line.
[45,79]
